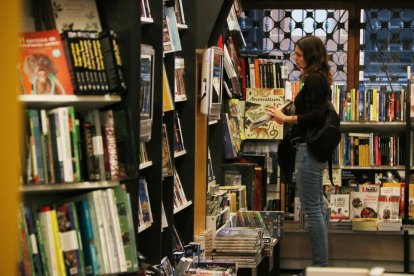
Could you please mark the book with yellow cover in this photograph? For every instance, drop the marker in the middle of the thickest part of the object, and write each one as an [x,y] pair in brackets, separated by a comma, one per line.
[167,99]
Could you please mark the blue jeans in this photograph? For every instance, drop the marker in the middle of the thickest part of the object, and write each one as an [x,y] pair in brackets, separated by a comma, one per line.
[309,173]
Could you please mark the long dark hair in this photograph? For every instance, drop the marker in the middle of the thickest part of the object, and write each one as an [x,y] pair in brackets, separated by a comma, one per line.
[315,56]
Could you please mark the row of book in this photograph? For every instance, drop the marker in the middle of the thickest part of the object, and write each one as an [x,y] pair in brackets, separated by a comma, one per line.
[385,202]
[74,62]
[63,146]
[178,9]
[370,104]
[90,234]
[369,149]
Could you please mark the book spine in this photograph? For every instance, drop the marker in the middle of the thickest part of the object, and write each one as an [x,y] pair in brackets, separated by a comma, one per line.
[110,147]
[87,234]
[99,232]
[109,233]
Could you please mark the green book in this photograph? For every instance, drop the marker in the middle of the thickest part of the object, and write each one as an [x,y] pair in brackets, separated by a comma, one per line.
[127,228]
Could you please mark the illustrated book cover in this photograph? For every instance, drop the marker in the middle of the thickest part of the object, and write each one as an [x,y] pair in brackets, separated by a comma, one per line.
[43,64]
[258,125]
[339,205]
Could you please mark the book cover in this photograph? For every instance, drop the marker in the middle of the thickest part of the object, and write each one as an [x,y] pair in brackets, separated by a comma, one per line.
[146,91]
[74,15]
[401,187]
[339,206]
[173,44]
[144,201]
[258,125]
[388,206]
[43,64]
[364,205]
[113,62]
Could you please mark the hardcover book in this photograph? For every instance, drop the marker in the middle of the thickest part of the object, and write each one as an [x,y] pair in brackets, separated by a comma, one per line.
[43,64]
[258,125]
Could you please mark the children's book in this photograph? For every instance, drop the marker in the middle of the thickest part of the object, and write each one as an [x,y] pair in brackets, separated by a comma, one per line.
[258,124]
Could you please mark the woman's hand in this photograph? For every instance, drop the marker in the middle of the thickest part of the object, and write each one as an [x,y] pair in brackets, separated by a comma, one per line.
[276,114]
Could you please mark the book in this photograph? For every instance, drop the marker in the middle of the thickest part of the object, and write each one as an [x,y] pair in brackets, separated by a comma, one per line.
[411,201]
[69,232]
[167,98]
[146,91]
[339,206]
[112,60]
[39,167]
[178,135]
[401,187]
[53,250]
[144,201]
[258,125]
[179,12]
[88,236]
[211,82]
[167,267]
[388,206]
[26,263]
[179,84]
[72,15]
[171,37]
[246,171]
[43,64]
[115,230]
[59,123]
[34,241]
[167,166]
[365,224]
[110,146]
[364,205]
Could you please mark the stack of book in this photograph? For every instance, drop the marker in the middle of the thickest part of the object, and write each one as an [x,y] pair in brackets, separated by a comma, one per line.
[365,224]
[390,225]
[241,244]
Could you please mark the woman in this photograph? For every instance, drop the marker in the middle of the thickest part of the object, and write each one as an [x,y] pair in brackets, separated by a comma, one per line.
[310,105]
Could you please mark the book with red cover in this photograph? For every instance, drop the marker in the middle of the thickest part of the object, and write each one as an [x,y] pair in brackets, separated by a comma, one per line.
[43,64]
